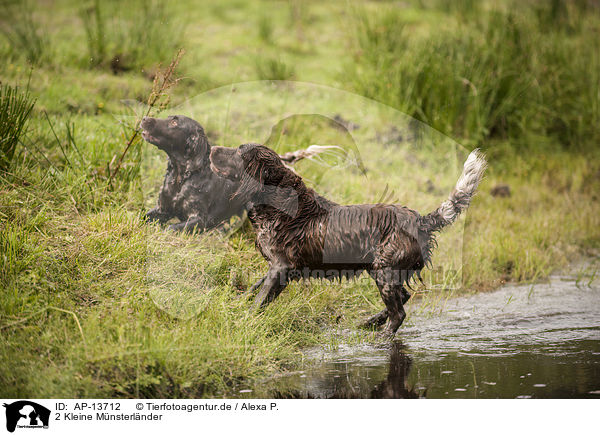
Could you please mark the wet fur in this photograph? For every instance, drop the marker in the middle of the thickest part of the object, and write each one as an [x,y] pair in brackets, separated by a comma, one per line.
[191,192]
[299,230]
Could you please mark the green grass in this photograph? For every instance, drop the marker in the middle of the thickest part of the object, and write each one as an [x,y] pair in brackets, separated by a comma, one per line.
[21,28]
[15,109]
[133,36]
[94,302]
[273,69]
[504,75]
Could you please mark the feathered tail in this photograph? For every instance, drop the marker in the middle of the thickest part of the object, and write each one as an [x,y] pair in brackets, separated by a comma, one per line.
[461,196]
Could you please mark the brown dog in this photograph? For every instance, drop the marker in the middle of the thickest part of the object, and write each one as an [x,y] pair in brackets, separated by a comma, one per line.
[302,234]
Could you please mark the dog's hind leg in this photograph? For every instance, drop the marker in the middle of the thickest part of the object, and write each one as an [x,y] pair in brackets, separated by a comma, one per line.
[380,318]
[405,295]
[392,298]
[393,295]
[376,320]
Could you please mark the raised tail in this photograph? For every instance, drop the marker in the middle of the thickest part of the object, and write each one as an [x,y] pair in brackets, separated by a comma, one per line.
[461,196]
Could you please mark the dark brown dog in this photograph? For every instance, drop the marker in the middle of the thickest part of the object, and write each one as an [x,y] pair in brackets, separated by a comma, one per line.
[302,234]
[191,192]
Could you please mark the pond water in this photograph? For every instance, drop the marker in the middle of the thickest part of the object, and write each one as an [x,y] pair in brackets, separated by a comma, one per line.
[532,341]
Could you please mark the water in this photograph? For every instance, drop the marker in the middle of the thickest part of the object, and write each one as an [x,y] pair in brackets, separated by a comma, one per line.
[539,341]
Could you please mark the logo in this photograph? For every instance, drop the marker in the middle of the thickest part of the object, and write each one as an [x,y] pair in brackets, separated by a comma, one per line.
[26,414]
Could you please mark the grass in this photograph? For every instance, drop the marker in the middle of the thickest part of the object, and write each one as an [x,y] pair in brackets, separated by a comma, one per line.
[21,28]
[94,302]
[265,29]
[495,78]
[131,37]
[273,69]
[15,109]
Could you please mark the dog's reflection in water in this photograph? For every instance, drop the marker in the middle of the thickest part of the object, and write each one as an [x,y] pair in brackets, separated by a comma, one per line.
[396,385]
[355,383]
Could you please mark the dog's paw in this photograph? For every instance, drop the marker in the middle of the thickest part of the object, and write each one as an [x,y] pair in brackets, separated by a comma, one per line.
[175,228]
[375,321]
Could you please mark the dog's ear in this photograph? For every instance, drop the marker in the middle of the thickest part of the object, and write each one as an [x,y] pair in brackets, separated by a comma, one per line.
[197,151]
[251,182]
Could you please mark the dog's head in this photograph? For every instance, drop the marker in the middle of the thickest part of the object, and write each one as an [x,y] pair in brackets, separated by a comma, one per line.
[182,138]
[255,166]
[257,161]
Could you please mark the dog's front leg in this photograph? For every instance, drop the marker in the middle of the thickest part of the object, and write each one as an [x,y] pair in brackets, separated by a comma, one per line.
[257,284]
[274,282]
[192,223]
[376,320]
[157,215]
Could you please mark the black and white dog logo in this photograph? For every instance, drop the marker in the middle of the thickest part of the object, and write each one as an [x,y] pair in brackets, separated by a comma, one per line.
[26,414]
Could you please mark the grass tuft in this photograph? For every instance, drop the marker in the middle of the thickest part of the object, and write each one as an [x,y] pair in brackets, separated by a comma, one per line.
[15,109]
[272,68]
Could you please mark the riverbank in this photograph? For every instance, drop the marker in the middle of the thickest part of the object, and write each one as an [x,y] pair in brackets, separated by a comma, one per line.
[519,341]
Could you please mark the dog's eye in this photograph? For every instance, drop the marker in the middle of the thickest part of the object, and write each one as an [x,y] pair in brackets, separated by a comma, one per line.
[173,123]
